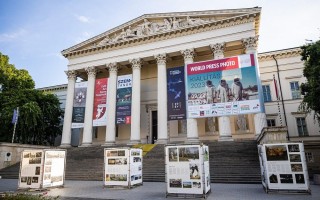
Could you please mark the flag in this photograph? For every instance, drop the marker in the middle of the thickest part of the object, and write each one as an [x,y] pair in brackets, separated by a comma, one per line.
[15,116]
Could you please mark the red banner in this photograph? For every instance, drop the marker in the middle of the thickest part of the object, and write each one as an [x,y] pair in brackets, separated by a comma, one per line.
[100,103]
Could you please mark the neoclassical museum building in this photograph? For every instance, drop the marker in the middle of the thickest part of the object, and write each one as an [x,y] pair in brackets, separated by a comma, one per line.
[135,58]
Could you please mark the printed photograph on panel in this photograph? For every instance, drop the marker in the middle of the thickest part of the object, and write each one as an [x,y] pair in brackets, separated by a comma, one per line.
[111,161]
[286,178]
[48,162]
[56,178]
[47,177]
[108,177]
[299,178]
[273,178]
[35,179]
[121,161]
[188,153]
[135,152]
[277,153]
[173,154]
[187,184]
[38,154]
[194,171]
[293,148]
[206,153]
[112,153]
[295,157]
[29,180]
[175,183]
[136,159]
[23,179]
[196,184]
[122,153]
[296,167]
[47,169]
[37,171]
[26,155]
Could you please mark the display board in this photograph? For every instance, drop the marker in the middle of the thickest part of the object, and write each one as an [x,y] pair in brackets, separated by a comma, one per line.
[187,169]
[123,167]
[283,167]
[42,168]
[222,87]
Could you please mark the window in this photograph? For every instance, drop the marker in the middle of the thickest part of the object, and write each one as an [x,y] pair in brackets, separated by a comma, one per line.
[302,126]
[295,90]
[271,122]
[266,93]
[309,157]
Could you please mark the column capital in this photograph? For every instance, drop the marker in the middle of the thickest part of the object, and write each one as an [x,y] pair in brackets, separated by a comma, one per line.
[188,53]
[91,71]
[218,48]
[72,74]
[161,58]
[250,43]
[136,63]
[112,67]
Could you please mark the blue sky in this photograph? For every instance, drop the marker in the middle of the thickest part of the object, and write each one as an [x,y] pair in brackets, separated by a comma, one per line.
[34,32]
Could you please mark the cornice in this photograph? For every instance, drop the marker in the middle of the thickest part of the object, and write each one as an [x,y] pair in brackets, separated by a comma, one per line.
[119,39]
[283,53]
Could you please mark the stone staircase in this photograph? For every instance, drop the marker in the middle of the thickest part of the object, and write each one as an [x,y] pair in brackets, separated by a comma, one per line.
[230,162]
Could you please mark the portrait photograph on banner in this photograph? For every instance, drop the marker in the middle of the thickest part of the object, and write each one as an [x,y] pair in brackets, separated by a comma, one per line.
[100,102]
[227,86]
[79,104]
[124,99]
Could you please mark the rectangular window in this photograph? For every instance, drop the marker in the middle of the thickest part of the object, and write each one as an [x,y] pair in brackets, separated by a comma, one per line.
[302,126]
[271,122]
[295,90]
[309,157]
[266,93]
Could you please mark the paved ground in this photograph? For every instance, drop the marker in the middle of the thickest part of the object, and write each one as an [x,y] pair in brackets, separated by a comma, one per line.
[79,190]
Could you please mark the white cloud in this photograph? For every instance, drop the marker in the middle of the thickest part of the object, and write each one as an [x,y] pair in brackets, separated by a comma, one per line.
[83,19]
[12,36]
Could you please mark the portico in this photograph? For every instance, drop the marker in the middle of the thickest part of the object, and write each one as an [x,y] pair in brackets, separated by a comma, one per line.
[146,47]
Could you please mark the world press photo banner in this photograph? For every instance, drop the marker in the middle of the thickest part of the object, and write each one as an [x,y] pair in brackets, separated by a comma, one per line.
[100,102]
[227,86]
[176,93]
[124,96]
[79,103]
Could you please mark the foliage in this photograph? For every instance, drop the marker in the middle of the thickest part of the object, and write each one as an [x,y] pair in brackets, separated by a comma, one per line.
[39,112]
[21,196]
[311,89]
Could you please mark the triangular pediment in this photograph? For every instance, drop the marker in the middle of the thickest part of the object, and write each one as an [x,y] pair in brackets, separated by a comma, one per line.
[154,25]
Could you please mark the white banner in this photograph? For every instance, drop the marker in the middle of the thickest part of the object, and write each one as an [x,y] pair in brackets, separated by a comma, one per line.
[54,168]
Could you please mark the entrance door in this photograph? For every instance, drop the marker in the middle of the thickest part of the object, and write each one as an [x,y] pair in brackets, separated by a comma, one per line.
[154,124]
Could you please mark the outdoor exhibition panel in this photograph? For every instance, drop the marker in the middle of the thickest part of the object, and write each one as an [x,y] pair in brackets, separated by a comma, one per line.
[283,167]
[42,168]
[187,169]
[123,167]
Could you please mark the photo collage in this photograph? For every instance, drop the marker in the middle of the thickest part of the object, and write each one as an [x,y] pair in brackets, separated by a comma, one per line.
[116,166]
[53,175]
[286,159]
[30,174]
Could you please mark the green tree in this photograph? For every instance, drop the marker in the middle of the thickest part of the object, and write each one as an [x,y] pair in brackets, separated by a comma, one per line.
[39,112]
[311,89]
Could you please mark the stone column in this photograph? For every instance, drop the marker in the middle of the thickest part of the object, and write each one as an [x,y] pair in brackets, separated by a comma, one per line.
[87,130]
[224,121]
[162,99]
[111,104]
[136,93]
[192,124]
[66,132]
[260,119]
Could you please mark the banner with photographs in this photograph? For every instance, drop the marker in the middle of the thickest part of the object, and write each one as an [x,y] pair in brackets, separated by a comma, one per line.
[135,166]
[31,168]
[227,86]
[116,167]
[187,169]
[79,104]
[124,96]
[176,93]
[100,103]
[54,168]
[284,167]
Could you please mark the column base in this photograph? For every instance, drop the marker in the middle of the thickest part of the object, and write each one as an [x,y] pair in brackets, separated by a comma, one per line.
[225,138]
[65,146]
[134,142]
[86,145]
[109,144]
[193,140]
[162,141]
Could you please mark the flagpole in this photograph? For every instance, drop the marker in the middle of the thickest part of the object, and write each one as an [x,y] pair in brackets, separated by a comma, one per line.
[15,124]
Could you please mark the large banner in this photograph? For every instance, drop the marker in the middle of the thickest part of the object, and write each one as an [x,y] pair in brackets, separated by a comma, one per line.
[79,104]
[100,103]
[176,93]
[221,87]
[284,167]
[124,94]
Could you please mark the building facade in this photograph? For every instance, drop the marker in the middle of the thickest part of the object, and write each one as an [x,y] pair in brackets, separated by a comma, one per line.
[148,45]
